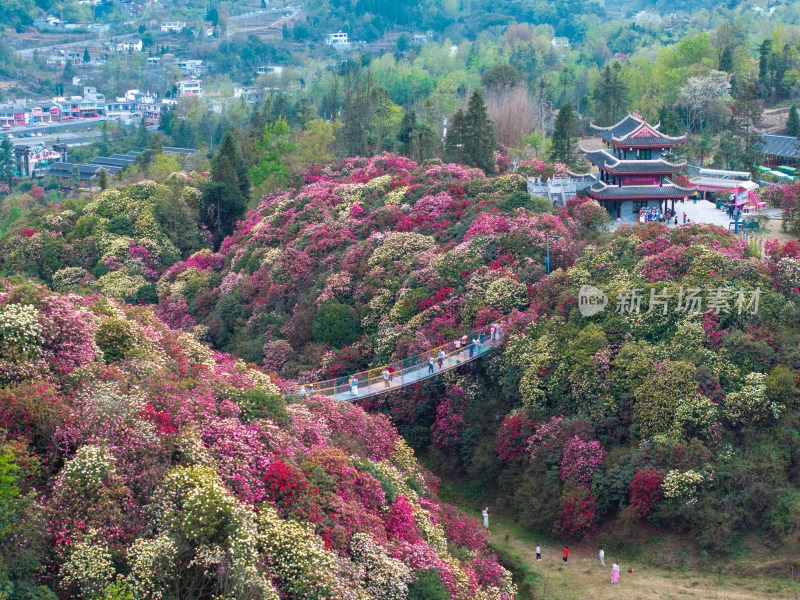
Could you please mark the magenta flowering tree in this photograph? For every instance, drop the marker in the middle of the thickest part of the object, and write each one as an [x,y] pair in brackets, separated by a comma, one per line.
[581,459]
[450,423]
[400,523]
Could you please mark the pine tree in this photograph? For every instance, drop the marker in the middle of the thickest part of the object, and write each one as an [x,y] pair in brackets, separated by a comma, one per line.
[86,57]
[225,197]
[405,135]
[102,180]
[470,138]
[726,60]
[142,136]
[793,122]
[563,147]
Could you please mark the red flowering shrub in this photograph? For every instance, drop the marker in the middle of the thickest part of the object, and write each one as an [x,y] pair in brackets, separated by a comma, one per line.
[577,513]
[512,437]
[709,384]
[645,488]
[776,251]
[289,492]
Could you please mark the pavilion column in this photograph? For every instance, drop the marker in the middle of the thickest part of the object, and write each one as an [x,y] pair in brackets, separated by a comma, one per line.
[619,210]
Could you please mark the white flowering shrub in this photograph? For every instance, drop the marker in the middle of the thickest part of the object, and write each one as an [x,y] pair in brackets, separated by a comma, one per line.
[385,578]
[750,406]
[20,332]
[506,294]
[398,247]
[120,285]
[88,470]
[152,565]
[301,562]
[68,278]
[684,486]
[89,567]
[217,533]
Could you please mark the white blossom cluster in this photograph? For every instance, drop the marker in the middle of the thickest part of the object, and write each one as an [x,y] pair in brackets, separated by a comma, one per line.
[685,485]
[20,331]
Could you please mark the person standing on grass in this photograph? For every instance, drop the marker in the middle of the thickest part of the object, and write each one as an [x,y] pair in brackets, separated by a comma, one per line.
[602,555]
[538,553]
[566,554]
[485,513]
[615,573]
[385,376]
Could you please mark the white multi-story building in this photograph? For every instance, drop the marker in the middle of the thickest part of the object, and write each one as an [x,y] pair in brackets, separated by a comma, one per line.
[190,87]
[334,39]
[269,70]
[129,46]
[172,26]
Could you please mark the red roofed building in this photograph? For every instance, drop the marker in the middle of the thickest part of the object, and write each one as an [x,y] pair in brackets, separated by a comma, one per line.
[635,169]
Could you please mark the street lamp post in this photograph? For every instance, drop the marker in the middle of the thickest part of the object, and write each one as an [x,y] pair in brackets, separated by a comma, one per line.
[547,237]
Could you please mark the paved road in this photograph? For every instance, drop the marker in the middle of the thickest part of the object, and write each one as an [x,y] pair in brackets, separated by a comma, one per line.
[28,52]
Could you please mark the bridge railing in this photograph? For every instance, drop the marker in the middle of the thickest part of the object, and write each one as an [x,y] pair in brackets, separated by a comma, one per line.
[406,371]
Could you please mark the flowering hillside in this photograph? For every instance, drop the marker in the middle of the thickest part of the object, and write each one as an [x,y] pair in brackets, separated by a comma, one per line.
[368,260]
[135,463]
[118,242]
[669,400]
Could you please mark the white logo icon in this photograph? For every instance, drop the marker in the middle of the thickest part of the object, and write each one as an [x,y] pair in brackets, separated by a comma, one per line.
[591,301]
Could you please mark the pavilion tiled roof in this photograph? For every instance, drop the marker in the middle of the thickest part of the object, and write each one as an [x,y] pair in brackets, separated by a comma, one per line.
[633,131]
[781,145]
[624,127]
[603,191]
[608,162]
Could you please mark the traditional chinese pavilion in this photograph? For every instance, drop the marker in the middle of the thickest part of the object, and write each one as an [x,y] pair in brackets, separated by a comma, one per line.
[634,169]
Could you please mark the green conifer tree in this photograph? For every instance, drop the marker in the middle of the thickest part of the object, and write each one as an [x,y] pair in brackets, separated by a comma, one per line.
[6,160]
[564,147]
[471,136]
[226,196]
[793,123]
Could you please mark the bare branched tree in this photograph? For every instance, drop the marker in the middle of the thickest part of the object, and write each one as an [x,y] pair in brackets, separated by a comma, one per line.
[514,115]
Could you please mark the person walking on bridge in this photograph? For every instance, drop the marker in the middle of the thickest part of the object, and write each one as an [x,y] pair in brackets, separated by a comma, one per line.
[430,364]
[492,333]
[472,344]
[354,386]
[440,357]
[385,375]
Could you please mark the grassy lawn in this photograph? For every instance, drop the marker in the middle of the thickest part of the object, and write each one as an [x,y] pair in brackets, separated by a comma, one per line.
[773,231]
[666,568]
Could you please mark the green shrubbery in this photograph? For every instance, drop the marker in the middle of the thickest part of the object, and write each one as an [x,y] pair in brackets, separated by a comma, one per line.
[336,324]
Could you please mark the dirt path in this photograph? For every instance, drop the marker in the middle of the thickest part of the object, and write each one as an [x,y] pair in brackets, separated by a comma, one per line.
[583,579]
